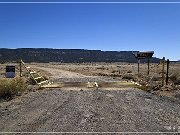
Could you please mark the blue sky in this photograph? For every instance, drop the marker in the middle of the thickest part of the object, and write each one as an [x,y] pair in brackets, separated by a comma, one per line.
[119,27]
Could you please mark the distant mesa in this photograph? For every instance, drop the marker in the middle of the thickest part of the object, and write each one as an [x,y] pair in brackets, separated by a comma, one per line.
[67,55]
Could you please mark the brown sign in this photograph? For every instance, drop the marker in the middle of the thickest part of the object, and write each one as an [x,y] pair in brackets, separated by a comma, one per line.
[142,55]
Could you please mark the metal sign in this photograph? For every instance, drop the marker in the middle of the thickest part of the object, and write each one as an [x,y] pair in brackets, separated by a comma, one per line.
[143,55]
[10,72]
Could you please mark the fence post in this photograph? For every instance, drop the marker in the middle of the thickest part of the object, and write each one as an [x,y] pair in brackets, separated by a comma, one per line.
[20,70]
[138,65]
[163,61]
[167,73]
[148,65]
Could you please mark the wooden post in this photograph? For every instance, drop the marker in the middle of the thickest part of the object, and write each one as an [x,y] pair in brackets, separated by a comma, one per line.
[20,70]
[148,65]
[138,65]
[167,72]
[163,61]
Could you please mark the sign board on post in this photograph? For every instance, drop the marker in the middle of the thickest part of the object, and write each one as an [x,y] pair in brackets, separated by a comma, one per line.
[10,72]
[143,55]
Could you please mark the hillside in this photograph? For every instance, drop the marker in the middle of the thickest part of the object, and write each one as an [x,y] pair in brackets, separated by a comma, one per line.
[66,55]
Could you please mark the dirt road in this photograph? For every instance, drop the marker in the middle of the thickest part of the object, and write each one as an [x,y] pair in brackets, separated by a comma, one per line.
[90,110]
[59,75]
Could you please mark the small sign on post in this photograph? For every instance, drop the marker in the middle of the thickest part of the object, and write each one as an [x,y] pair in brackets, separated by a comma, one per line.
[10,72]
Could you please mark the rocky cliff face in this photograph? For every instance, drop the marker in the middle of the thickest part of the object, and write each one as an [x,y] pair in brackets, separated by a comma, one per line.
[66,55]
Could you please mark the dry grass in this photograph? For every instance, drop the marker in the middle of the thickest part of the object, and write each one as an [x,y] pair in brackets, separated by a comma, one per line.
[12,87]
[32,81]
[175,78]
[128,76]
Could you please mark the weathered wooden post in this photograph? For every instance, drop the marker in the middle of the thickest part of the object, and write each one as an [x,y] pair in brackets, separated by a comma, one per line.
[163,63]
[20,69]
[138,65]
[167,72]
[148,65]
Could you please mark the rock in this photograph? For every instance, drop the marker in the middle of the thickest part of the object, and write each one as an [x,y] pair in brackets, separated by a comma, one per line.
[81,90]
[109,95]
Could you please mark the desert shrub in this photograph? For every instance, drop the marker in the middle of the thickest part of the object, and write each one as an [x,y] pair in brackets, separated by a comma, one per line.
[2,73]
[114,71]
[102,74]
[102,68]
[175,78]
[177,82]
[156,78]
[12,87]
[115,75]
[129,71]
[128,76]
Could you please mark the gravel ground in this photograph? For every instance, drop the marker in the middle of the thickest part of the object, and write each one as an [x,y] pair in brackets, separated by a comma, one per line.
[90,110]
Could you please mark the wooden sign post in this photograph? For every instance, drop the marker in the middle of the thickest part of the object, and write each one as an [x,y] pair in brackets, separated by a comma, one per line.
[143,55]
[148,65]
[138,65]
[167,72]
[20,68]
[163,63]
